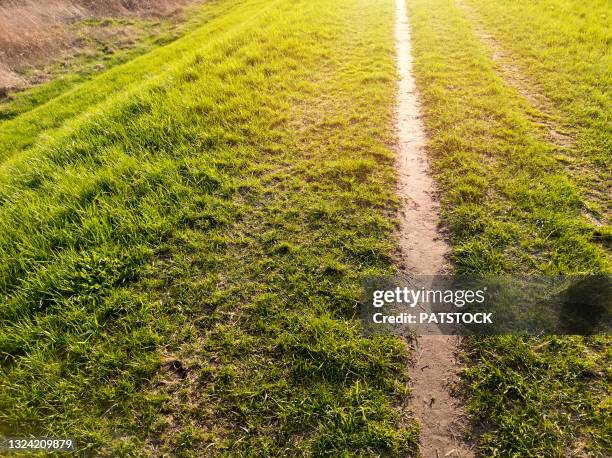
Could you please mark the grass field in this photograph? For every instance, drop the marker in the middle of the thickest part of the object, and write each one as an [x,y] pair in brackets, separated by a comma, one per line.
[182,236]
[182,239]
[48,106]
[106,43]
[514,201]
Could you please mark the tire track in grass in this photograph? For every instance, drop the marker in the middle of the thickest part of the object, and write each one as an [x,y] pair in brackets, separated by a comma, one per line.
[423,250]
[538,102]
[541,109]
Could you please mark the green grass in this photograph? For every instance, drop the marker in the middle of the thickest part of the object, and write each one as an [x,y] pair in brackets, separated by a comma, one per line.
[512,204]
[182,239]
[56,105]
[562,47]
[182,236]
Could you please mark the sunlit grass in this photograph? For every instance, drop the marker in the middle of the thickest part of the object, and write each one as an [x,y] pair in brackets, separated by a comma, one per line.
[182,240]
[512,206]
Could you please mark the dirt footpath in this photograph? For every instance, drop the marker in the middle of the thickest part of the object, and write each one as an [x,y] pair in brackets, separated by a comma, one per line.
[423,251]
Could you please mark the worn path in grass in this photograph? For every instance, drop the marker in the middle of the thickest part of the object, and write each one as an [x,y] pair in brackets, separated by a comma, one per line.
[540,104]
[424,252]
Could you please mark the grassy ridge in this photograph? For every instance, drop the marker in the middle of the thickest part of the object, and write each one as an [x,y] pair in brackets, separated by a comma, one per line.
[122,40]
[512,206]
[181,256]
[62,111]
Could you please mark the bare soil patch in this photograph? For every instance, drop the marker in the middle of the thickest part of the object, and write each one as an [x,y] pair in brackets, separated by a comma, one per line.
[423,251]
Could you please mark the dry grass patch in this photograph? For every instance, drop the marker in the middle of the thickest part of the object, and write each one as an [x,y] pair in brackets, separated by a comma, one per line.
[33,33]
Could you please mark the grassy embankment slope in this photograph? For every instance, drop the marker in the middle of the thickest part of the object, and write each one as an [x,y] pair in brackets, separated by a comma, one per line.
[515,202]
[49,106]
[59,46]
[182,238]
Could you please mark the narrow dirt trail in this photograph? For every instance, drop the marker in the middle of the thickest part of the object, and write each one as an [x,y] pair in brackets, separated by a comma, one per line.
[424,251]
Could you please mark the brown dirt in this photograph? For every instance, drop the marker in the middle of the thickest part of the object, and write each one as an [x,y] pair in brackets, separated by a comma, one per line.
[424,250]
